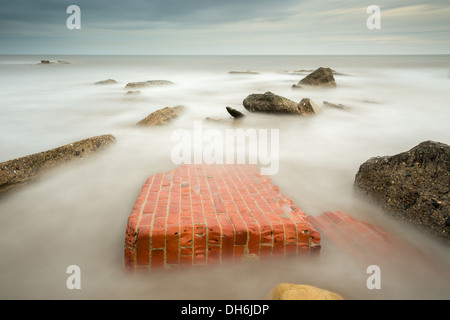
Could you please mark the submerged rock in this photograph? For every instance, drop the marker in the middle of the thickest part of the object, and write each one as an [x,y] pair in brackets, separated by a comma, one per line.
[288,291]
[243,72]
[336,106]
[412,185]
[133,92]
[107,81]
[321,77]
[161,116]
[270,103]
[145,84]
[18,172]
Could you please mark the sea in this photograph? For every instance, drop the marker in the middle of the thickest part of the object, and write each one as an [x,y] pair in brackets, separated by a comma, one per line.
[77,214]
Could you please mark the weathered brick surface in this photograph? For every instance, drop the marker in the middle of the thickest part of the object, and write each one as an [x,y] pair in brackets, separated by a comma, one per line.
[198,215]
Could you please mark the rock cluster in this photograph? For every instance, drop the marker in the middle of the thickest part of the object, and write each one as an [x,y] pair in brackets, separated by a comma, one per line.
[412,185]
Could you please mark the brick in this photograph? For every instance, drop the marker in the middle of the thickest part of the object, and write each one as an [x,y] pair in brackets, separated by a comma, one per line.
[199,215]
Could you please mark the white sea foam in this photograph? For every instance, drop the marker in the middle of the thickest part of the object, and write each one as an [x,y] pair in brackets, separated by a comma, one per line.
[77,215]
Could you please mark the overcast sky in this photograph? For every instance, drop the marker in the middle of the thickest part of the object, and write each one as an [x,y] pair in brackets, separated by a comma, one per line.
[224,27]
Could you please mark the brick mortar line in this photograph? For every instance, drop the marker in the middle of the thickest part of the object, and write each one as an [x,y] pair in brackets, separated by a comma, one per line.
[215,214]
[191,215]
[264,214]
[169,198]
[227,213]
[204,217]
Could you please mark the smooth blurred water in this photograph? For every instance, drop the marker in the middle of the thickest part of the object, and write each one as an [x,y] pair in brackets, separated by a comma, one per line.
[77,215]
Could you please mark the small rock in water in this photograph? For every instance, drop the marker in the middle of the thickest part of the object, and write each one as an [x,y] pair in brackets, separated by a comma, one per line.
[336,106]
[322,77]
[45,61]
[161,116]
[145,84]
[108,81]
[235,113]
[308,107]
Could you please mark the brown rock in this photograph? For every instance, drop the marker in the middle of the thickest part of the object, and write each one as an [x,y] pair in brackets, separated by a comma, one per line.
[307,107]
[322,77]
[17,172]
[162,116]
[288,291]
[146,84]
[108,81]
[270,103]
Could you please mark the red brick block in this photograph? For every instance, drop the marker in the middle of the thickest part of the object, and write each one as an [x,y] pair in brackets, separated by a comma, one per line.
[199,215]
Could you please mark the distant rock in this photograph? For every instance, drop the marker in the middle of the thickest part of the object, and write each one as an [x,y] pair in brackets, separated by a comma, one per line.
[412,185]
[162,116]
[62,62]
[270,103]
[336,106]
[133,92]
[108,81]
[45,62]
[308,107]
[145,84]
[243,72]
[322,77]
[18,172]
[288,291]
[235,113]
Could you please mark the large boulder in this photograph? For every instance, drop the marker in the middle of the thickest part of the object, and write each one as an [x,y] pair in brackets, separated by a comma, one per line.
[162,116]
[412,185]
[288,291]
[18,172]
[270,103]
[322,77]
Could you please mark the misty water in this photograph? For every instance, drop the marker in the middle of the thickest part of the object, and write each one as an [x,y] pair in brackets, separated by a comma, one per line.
[77,215]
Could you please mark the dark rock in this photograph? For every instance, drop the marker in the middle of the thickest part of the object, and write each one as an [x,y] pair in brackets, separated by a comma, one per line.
[235,113]
[307,107]
[45,61]
[18,172]
[162,116]
[270,103]
[412,185]
[108,81]
[150,83]
[322,77]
